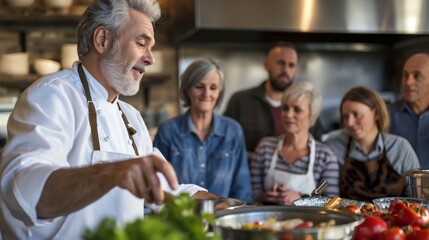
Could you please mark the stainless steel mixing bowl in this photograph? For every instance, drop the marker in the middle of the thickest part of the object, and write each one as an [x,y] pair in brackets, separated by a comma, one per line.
[229,222]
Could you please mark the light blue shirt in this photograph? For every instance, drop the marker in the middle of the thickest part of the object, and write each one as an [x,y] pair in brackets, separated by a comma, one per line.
[415,128]
[219,163]
[398,150]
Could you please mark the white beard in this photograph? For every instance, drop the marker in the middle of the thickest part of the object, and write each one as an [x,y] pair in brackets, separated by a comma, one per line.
[112,65]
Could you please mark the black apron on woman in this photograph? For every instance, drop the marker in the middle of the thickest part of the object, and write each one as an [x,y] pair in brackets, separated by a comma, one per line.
[365,181]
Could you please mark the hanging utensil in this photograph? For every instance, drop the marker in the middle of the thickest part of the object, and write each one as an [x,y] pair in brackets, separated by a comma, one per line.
[319,190]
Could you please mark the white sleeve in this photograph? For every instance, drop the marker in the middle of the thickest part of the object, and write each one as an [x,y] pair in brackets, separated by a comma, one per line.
[37,147]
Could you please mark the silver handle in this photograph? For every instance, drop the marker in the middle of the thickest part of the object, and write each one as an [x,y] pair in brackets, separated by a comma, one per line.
[319,190]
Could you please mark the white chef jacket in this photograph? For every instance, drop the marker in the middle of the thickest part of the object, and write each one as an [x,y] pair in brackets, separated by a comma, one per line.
[49,129]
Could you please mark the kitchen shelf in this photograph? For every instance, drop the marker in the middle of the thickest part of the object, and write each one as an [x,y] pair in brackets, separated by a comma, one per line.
[25,22]
[17,81]
[23,81]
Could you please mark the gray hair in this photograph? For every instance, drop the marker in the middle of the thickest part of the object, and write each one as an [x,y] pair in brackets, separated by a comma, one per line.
[194,73]
[304,88]
[112,14]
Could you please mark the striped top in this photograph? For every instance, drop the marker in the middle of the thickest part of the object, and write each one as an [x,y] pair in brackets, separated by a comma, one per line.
[325,166]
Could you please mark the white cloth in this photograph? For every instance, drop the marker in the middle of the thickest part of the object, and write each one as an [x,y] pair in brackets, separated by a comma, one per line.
[302,183]
[49,129]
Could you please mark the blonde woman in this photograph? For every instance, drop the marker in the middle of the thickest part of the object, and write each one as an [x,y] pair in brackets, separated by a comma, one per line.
[289,167]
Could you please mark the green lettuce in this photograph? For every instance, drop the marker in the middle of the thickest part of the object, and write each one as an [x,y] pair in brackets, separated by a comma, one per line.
[176,221]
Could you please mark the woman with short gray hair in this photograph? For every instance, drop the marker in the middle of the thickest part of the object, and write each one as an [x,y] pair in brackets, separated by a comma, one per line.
[204,147]
[193,75]
[290,166]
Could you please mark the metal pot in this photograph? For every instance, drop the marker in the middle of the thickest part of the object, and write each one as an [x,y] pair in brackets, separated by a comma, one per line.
[418,182]
[229,222]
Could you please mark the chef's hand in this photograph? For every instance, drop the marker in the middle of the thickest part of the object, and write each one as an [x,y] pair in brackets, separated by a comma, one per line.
[139,177]
[70,189]
[280,195]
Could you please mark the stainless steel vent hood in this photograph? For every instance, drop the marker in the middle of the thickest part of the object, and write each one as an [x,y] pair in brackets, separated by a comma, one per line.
[244,21]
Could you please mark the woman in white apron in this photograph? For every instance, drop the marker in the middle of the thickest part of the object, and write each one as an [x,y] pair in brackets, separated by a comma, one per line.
[290,166]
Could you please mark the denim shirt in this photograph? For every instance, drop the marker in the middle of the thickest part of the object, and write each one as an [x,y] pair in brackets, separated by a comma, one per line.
[219,163]
[415,128]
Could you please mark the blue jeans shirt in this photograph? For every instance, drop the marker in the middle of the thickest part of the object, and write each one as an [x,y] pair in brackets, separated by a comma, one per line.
[219,163]
[415,128]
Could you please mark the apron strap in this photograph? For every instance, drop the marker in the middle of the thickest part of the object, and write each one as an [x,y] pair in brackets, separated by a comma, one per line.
[275,157]
[93,115]
[312,155]
[131,131]
[91,109]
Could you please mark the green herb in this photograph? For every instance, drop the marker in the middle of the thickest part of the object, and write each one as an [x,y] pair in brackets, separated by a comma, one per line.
[176,221]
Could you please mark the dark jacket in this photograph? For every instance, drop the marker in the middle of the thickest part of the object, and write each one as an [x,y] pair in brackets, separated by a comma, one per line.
[252,111]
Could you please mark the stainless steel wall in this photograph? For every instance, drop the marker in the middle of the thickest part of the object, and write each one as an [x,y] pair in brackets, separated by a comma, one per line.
[367,16]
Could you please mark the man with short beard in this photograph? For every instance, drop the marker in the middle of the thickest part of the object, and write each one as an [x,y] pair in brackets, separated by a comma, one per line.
[258,109]
[76,153]
[409,117]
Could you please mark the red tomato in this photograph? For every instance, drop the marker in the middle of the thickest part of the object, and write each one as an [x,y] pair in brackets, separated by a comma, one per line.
[396,205]
[423,218]
[415,228]
[353,209]
[394,233]
[407,216]
[371,228]
[413,205]
[393,218]
[287,237]
[418,235]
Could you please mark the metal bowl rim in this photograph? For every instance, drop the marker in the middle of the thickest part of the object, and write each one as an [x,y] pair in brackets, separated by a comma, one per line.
[354,219]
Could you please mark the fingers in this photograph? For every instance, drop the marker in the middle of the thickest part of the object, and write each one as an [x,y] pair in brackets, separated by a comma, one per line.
[281,188]
[153,190]
[291,196]
[272,196]
[129,175]
[155,193]
[281,196]
[139,176]
[167,170]
[273,187]
[162,166]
